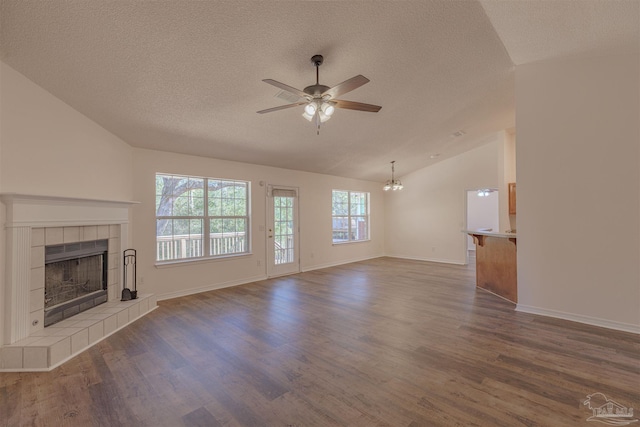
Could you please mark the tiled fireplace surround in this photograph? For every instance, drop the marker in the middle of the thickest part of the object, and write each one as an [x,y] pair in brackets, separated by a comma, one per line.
[34,222]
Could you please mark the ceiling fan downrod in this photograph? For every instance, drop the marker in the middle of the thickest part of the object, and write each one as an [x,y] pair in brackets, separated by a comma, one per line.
[317,61]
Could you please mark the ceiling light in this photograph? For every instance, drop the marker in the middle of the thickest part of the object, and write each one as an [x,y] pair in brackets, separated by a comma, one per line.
[324,110]
[393,184]
[323,117]
[307,116]
[485,192]
[310,108]
[327,108]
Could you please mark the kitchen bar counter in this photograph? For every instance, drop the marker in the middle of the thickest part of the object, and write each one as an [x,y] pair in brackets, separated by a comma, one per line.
[496,263]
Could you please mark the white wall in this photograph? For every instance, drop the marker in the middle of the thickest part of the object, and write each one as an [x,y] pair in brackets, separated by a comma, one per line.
[424,221]
[578,190]
[316,245]
[48,148]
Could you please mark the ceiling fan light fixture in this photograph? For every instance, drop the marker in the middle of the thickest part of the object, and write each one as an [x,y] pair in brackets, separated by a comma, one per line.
[323,115]
[328,108]
[307,116]
[310,108]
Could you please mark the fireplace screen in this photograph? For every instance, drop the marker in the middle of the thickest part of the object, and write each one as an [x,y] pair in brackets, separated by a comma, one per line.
[75,279]
[71,279]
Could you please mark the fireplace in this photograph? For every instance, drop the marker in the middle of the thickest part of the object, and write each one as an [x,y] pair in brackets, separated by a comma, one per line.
[94,233]
[75,278]
[33,223]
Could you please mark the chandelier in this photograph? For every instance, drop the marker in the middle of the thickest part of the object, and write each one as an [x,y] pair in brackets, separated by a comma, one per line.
[393,184]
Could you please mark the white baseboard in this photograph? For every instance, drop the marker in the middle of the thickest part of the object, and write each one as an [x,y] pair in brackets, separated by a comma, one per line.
[185,292]
[335,264]
[595,321]
[439,260]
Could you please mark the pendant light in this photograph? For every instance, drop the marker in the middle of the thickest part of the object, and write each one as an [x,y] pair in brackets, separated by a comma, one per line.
[393,184]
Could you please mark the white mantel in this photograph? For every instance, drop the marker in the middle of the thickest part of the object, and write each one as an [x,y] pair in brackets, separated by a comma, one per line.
[35,217]
[30,210]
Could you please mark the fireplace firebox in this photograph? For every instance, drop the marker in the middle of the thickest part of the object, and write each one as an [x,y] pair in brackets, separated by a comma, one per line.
[75,278]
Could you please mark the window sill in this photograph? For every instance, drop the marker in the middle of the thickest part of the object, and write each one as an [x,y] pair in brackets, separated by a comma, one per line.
[191,261]
[349,242]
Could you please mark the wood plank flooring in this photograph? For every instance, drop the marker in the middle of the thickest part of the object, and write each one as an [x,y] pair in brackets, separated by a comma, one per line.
[385,342]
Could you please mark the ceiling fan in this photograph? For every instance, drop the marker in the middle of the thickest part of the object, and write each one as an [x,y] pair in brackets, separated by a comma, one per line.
[319,100]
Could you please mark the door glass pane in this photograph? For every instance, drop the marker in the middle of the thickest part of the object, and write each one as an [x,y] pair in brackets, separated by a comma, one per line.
[283,236]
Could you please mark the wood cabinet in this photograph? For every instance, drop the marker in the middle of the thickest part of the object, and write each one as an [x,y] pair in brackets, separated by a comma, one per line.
[497,264]
[512,198]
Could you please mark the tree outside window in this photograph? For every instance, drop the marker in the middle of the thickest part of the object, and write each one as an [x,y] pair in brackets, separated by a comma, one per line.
[350,216]
[200,217]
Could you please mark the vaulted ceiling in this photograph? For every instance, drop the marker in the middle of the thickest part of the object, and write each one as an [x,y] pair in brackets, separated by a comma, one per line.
[186,76]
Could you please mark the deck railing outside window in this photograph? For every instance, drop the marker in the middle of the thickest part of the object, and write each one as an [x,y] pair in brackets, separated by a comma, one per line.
[190,246]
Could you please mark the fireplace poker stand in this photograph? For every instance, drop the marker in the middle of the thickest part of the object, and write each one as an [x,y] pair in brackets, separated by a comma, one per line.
[129,261]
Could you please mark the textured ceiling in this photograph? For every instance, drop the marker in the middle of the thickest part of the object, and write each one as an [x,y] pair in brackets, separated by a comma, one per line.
[543,30]
[185,76]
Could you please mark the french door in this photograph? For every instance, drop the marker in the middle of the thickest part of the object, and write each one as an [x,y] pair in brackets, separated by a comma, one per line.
[283,251]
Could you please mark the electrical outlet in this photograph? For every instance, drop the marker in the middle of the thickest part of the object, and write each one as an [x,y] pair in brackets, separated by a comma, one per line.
[258,263]
[433,249]
[142,280]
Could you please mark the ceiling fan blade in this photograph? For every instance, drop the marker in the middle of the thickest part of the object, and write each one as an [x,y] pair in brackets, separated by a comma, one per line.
[288,88]
[350,105]
[346,86]
[281,107]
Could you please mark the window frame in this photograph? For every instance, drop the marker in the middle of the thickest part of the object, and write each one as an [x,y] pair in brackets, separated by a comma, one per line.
[350,217]
[206,219]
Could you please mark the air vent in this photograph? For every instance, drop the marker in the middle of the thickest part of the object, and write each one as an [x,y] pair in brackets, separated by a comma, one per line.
[287,96]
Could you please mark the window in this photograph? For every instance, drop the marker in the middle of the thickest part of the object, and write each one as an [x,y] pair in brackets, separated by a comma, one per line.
[189,208]
[350,216]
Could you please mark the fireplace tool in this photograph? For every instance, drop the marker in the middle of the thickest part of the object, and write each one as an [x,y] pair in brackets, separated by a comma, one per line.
[129,261]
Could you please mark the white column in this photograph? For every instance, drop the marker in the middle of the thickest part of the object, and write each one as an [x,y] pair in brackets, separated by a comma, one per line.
[17,283]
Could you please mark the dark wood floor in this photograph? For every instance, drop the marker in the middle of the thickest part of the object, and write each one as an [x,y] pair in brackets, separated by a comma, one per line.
[385,342]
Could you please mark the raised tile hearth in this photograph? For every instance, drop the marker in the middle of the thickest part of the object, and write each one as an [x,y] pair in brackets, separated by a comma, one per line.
[54,345]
